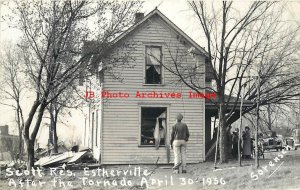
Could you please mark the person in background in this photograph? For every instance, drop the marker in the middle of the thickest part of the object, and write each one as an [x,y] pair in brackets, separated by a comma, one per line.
[235,145]
[247,144]
[229,141]
[179,137]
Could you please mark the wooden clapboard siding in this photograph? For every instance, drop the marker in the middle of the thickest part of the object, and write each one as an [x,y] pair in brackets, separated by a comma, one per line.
[121,117]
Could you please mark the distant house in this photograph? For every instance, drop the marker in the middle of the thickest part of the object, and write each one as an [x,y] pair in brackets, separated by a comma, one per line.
[8,144]
[121,127]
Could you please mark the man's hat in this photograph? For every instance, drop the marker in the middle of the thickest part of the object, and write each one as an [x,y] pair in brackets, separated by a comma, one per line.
[179,117]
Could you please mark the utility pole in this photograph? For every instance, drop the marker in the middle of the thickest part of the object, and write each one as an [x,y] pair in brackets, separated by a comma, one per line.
[241,122]
[217,142]
[257,121]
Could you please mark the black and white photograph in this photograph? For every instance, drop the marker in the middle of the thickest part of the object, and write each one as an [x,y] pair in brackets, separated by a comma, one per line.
[149,94]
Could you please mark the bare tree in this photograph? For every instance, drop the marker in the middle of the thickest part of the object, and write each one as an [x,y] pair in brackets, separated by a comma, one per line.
[52,47]
[273,115]
[13,88]
[254,47]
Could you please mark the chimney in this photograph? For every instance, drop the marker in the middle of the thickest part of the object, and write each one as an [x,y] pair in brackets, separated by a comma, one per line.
[138,17]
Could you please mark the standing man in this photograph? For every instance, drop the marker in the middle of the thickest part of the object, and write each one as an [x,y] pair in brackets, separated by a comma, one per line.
[179,137]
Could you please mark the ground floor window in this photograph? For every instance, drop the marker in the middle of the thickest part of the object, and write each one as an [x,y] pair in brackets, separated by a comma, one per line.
[153,125]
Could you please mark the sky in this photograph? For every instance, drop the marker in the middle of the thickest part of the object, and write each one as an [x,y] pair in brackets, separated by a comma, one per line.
[176,10]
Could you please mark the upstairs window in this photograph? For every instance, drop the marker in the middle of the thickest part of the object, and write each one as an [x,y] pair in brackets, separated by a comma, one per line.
[153,73]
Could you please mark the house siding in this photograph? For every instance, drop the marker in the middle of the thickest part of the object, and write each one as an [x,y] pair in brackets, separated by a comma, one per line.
[121,117]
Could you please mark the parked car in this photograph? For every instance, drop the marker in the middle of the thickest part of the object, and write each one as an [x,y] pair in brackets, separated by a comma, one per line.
[273,143]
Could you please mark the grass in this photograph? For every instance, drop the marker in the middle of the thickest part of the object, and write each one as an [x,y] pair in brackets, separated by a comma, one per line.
[283,174]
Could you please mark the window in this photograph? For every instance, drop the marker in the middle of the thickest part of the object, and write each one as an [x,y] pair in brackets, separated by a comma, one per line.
[153,120]
[153,71]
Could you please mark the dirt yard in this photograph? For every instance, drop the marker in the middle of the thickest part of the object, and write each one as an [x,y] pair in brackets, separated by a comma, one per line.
[279,170]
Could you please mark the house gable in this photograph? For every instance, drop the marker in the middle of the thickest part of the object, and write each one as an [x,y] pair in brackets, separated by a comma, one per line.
[155,31]
[196,48]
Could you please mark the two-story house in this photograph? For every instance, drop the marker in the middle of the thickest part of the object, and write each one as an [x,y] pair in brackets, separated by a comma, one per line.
[120,127]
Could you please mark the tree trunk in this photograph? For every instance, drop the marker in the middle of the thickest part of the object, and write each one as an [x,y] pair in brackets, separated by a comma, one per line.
[52,129]
[20,124]
[30,152]
[31,140]
[223,135]
[269,123]
[51,139]
[55,150]
[29,145]
[20,145]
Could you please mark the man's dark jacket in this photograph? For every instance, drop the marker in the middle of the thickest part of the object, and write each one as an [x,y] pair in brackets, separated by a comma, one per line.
[180,131]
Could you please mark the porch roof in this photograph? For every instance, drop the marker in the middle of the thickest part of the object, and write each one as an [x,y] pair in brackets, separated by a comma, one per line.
[212,106]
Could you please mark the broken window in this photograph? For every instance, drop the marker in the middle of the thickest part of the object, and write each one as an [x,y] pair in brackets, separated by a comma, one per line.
[153,65]
[153,126]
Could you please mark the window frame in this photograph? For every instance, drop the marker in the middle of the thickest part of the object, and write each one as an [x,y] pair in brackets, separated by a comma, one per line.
[151,105]
[154,45]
